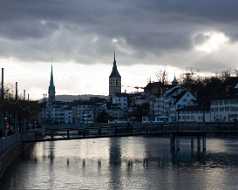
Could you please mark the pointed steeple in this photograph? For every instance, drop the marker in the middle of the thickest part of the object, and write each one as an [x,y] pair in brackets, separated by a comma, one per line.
[114,61]
[175,82]
[51,77]
[51,90]
[114,79]
[115,72]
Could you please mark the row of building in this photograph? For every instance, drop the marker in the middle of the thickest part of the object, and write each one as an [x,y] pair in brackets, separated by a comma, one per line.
[72,112]
[158,103]
[180,105]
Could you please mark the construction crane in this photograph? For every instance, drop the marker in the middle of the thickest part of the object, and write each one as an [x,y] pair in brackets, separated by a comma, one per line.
[138,87]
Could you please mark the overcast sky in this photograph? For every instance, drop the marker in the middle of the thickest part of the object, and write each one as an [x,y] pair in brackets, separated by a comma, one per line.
[79,38]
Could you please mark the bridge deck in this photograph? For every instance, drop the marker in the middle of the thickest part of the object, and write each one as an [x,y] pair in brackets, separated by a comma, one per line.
[56,133]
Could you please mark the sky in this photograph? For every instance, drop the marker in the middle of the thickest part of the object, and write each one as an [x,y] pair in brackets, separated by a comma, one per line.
[78,38]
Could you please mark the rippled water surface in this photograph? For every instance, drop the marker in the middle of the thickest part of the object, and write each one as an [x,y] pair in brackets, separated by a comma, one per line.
[124,163]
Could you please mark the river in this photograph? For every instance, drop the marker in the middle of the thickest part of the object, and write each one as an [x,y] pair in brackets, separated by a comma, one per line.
[128,163]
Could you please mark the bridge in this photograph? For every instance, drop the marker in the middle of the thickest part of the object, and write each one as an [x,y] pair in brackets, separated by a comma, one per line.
[197,132]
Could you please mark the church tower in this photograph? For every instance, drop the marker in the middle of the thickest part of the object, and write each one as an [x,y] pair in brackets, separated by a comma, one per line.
[114,80]
[174,82]
[51,90]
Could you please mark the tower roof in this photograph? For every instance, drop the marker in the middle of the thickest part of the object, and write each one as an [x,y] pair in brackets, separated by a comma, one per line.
[115,72]
[174,82]
[51,77]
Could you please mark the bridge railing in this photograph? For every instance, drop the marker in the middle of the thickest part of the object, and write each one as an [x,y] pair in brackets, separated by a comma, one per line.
[8,142]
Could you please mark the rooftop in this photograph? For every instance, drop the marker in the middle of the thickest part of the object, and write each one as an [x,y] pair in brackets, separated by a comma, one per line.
[115,72]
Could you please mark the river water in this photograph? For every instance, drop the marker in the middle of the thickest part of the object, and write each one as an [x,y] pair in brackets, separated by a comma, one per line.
[128,163]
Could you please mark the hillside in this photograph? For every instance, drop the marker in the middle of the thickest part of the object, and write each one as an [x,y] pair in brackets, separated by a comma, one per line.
[70,98]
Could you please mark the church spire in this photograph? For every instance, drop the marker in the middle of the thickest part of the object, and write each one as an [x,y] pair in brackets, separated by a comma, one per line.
[51,77]
[114,58]
[114,79]
[51,90]
[115,72]
[175,82]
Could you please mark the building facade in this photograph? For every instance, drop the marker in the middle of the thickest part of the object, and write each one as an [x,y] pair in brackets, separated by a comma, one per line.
[61,113]
[193,114]
[224,109]
[172,100]
[121,101]
[83,113]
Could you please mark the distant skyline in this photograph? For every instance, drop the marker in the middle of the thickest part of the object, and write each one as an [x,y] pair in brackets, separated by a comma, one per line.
[77,79]
[79,37]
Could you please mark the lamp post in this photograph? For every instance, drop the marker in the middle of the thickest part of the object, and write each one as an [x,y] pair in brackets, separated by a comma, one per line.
[1,104]
[2,85]
[16,112]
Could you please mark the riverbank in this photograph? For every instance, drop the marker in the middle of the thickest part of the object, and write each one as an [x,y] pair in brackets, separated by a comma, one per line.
[11,149]
[8,157]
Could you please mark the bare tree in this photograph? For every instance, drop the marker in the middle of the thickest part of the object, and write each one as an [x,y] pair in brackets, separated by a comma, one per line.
[225,74]
[162,77]
[236,72]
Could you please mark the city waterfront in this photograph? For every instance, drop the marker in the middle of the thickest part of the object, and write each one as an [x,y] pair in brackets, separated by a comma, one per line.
[124,163]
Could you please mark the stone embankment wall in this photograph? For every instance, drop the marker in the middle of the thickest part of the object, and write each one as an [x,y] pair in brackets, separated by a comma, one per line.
[11,147]
[8,157]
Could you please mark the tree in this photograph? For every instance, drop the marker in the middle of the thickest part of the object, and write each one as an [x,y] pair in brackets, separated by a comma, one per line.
[225,75]
[162,77]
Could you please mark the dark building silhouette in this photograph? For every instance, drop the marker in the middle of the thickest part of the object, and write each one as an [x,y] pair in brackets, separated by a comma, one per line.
[155,88]
[114,80]
[175,82]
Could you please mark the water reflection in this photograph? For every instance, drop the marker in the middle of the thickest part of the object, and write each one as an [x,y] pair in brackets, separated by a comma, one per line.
[115,163]
[114,151]
[51,154]
[125,163]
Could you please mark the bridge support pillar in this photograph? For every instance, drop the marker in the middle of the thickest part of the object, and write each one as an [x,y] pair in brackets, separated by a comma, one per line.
[198,144]
[115,131]
[99,131]
[192,144]
[84,132]
[204,144]
[173,143]
[177,144]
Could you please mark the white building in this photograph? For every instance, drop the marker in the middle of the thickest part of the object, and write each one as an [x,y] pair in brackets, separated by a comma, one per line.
[57,112]
[224,109]
[60,113]
[154,105]
[83,113]
[118,107]
[172,100]
[193,114]
[121,101]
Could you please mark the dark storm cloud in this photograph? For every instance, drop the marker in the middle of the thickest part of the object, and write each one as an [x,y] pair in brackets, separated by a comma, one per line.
[84,30]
